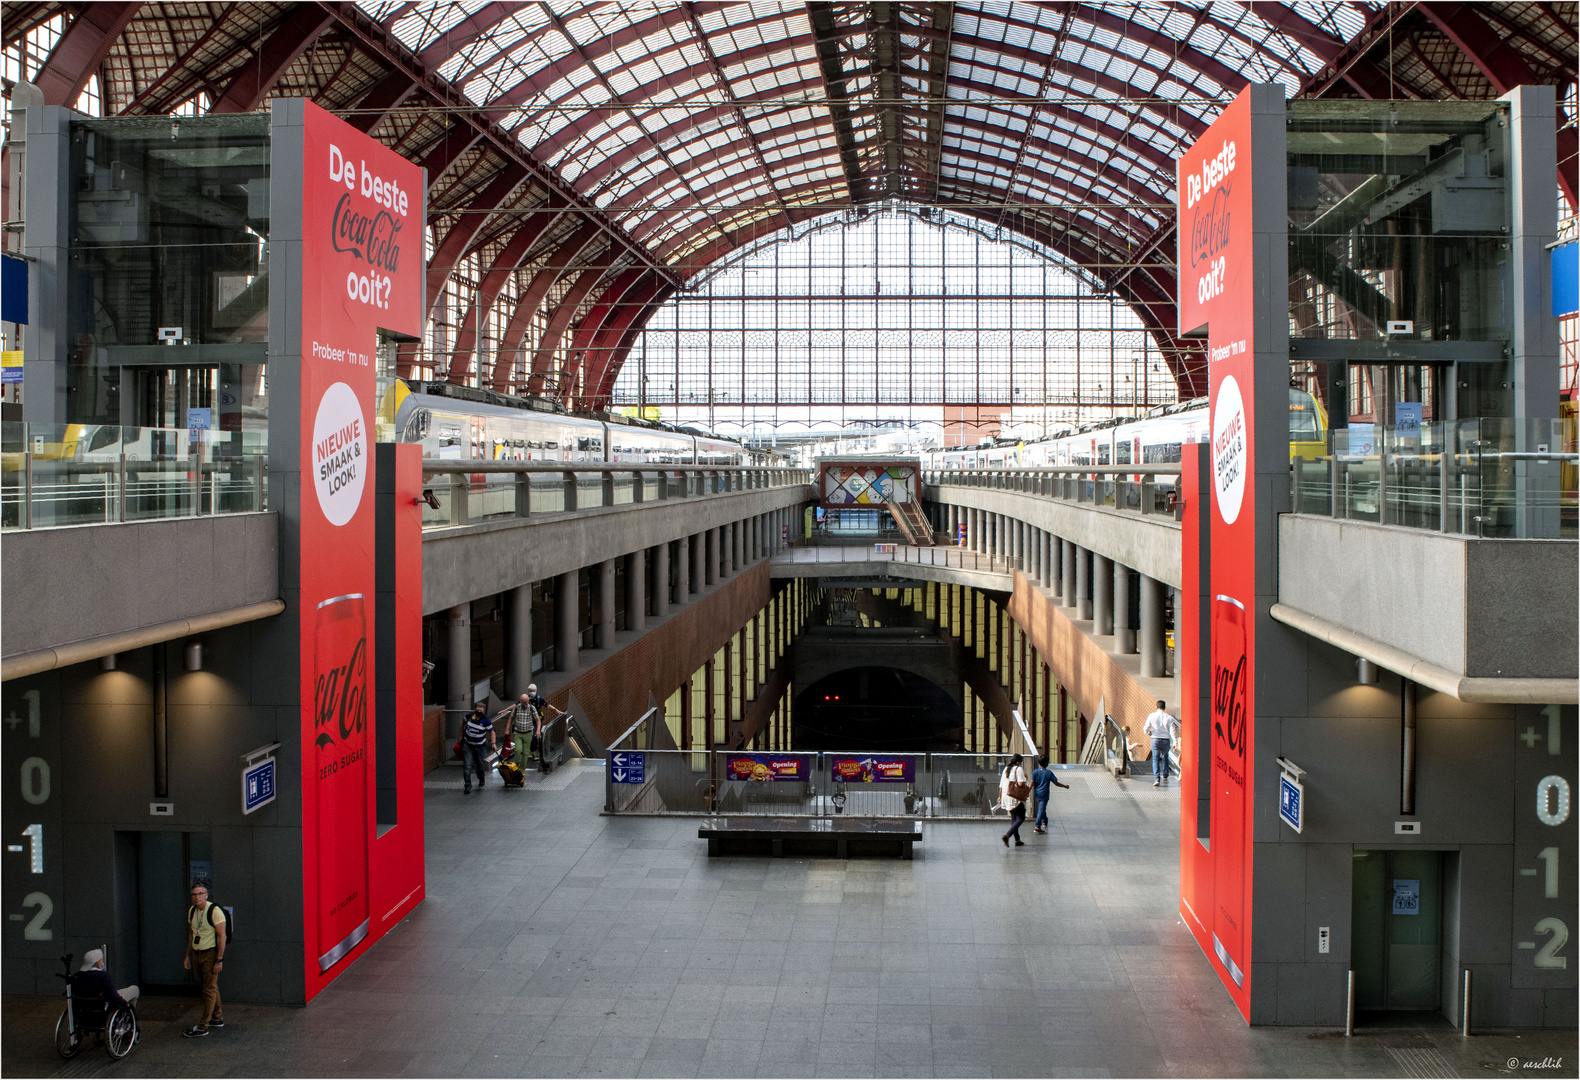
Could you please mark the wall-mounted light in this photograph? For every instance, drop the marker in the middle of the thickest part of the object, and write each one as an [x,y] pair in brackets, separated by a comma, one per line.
[175,130]
[194,655]
[1367,672]
[107,663]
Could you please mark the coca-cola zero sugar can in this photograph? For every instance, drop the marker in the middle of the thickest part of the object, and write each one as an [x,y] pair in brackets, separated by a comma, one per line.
[340,740]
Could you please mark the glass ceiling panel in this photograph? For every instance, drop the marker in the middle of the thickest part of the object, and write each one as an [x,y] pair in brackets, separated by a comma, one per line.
[638,75]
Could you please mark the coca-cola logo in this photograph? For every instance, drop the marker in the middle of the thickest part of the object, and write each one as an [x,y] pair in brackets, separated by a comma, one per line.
[373,239]
[1229,704]
[340,698]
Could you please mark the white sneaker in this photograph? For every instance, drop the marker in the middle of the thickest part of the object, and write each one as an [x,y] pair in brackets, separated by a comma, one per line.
[1155,783]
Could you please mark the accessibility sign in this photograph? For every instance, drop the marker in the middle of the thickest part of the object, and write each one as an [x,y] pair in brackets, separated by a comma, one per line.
[628,768]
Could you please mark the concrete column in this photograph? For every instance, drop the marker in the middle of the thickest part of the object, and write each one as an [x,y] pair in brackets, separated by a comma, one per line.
[699,561]
[1034,556]
[710,556]
[682,571]
[518,650]
[1124,633]
[1102,595]
[636,589]
[1083,583]
[660,580]
[567,640]
[1068,592]
[1151,627]
[460,699]
[1050,564]
[606,607]
[737,534]
[754,538]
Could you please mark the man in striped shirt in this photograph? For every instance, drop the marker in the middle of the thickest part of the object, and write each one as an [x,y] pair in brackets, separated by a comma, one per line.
[477,738]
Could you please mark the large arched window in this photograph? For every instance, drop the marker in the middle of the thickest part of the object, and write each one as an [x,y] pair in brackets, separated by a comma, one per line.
[902,316]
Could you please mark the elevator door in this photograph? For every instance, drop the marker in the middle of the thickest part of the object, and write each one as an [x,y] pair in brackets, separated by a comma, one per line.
[1397,929]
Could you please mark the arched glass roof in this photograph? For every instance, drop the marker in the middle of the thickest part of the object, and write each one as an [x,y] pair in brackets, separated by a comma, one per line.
[601,156]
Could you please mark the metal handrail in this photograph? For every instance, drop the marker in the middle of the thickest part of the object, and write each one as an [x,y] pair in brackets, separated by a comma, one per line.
[449,465]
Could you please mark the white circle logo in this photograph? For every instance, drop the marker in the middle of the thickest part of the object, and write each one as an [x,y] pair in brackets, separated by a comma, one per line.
[1229,457]
[340,454]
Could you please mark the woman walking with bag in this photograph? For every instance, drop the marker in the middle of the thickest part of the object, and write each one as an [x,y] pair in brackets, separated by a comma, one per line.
[1013,792]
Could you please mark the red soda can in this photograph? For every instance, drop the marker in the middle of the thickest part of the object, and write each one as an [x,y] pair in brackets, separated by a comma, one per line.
[1230,720]
[340,742]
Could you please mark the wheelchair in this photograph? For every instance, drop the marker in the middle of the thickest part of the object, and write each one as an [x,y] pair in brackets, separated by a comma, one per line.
[115,1026]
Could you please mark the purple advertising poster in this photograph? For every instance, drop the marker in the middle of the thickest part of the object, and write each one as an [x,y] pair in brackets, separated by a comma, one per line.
[890,769]
[767,767]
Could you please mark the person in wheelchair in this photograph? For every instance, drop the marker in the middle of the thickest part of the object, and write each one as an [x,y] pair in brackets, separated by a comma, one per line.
[94,983]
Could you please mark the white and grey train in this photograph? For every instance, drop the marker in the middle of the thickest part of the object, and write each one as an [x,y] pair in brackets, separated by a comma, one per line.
[453,428]
[1151,440]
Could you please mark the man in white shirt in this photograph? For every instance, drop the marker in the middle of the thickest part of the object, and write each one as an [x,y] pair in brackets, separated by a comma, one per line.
[1160,727]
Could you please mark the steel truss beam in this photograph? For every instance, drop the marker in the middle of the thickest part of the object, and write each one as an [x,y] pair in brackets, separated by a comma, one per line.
[374,40]
[286,42]
[81,49]
[510,343]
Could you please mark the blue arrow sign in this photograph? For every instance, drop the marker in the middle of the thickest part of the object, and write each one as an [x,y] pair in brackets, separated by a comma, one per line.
[628,768]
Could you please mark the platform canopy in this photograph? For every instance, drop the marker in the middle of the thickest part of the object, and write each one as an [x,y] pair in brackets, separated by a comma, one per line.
[598,157]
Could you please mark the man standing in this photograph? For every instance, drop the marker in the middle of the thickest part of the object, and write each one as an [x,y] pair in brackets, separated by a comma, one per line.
[1160,727]
[523,718]
[537,701]
[477,734]
[206,937]
[1042,782]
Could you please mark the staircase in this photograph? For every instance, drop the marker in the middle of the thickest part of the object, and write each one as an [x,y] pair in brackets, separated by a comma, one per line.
[913,523]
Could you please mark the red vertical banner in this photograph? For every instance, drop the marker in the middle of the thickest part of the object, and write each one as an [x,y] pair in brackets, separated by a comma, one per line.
[361,271]
[1216,294]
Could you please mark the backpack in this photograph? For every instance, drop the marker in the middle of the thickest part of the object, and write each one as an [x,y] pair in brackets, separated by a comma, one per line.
[230,921]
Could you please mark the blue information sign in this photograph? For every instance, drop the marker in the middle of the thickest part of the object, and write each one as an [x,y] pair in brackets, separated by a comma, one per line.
[1291,801]
[628,768]
[257,785]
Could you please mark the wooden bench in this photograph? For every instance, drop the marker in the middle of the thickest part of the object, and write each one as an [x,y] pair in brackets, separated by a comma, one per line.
[838,838]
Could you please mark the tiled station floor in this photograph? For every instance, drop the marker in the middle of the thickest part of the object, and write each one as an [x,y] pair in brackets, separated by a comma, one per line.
[556,942]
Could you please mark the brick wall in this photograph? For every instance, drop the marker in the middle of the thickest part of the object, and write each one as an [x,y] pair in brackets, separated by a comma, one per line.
[615,693]
[1080,665]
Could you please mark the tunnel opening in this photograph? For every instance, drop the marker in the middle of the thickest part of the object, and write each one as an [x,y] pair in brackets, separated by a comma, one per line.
[874,708]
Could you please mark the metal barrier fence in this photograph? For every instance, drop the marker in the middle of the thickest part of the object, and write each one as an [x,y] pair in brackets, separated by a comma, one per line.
[645,775]
[468,492]
[956,558]
[1132,490]
[803,784]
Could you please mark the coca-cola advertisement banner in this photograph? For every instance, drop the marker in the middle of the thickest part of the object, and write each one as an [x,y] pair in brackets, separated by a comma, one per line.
[1216,293]
[767,767]
[873,770]
[361,272]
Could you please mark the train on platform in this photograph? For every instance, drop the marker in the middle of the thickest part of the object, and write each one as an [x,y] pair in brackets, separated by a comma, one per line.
[1152,440]
[484,427]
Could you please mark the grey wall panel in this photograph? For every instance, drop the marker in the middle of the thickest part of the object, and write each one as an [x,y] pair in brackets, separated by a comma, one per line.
[1522,621]
[1482,608]
[102,782]
[71,584]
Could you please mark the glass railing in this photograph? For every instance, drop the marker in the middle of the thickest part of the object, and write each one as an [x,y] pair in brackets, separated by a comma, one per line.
[93,474]
[1495,477]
